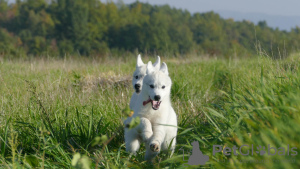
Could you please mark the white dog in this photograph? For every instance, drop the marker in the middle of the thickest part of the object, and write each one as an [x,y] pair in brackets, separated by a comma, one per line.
[158,127]
[138,76]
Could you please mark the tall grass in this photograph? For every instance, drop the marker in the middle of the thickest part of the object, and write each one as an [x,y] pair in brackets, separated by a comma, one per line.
[68,113]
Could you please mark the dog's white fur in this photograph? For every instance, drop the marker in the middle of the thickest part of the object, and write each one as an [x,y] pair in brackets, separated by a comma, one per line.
[158,128]
[138,76]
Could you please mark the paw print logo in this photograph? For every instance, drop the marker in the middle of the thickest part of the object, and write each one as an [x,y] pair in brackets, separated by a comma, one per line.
[261,150]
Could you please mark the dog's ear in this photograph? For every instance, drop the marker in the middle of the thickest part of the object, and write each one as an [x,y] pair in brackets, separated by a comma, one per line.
[157,63]
[139,61]
[164,68]
[150,67]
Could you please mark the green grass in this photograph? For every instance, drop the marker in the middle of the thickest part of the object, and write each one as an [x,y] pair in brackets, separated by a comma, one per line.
[58,113]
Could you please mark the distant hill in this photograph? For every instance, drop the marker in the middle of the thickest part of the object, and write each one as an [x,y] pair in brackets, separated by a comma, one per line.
[90,27]
[274,21]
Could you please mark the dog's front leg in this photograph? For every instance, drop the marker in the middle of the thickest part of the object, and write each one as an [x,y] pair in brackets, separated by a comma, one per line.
[159,134]
[145,129]
[132,142]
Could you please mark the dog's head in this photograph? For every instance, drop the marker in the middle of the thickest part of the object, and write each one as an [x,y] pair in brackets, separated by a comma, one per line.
[157,85]
[140,73]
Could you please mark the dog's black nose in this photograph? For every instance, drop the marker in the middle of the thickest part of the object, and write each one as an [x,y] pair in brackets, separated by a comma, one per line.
[137,86]
[157,97]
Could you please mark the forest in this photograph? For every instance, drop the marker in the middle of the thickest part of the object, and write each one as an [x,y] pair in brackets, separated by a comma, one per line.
[94,28]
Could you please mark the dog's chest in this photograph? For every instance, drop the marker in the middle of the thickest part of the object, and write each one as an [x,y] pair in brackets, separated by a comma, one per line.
[152,115]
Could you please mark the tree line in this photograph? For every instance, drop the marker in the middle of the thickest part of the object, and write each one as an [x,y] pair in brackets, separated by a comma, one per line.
[92,27]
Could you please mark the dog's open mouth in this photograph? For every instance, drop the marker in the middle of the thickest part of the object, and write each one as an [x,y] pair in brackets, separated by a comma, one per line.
[155,104]
[137,91]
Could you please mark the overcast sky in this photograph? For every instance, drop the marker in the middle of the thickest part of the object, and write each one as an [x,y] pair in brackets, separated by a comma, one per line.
[271,7]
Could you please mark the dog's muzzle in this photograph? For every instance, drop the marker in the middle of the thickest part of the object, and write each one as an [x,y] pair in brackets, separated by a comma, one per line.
[137,88]
[155,104]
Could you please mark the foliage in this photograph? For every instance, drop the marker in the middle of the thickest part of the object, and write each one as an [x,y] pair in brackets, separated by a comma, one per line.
[94,28]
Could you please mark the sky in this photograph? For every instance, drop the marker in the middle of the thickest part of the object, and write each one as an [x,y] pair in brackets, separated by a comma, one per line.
[271,7]
[282,14]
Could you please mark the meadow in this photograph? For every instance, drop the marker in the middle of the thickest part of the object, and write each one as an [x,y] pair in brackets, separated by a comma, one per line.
[68,113]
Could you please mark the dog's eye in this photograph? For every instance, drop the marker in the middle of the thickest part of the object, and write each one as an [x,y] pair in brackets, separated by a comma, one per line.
[136,77]
[163,87]
[152,86]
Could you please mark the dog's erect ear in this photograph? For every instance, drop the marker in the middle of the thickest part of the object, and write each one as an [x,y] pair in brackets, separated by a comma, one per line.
[157,63]
[139,61]
[164,68]
[150,67]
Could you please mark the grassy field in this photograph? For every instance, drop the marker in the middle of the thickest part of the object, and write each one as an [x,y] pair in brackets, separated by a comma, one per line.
[68,113]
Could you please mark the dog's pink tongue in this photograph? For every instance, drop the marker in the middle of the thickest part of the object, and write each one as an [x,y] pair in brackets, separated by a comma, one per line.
[147,101]
[155,104]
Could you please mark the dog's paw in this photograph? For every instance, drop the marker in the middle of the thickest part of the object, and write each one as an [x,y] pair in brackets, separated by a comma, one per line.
[154,147]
